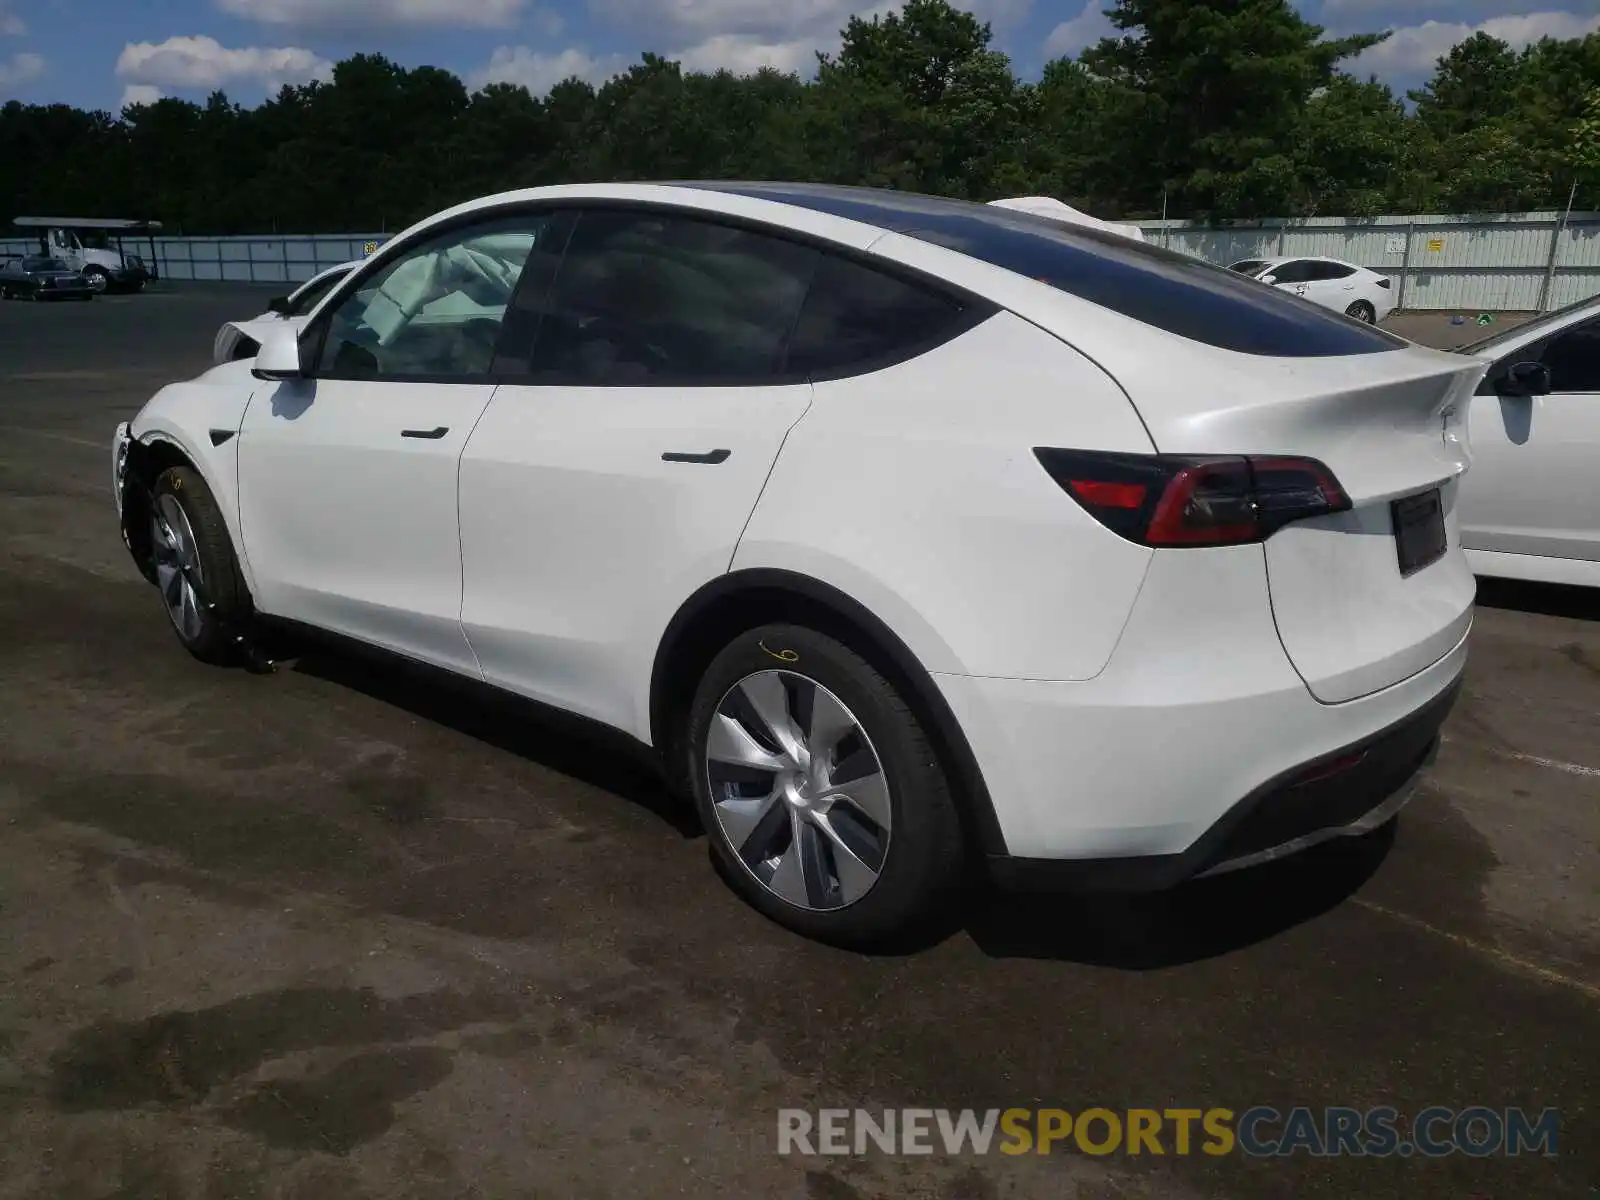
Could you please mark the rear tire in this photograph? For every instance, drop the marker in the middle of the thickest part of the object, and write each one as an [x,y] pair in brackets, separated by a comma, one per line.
[196,571]
[825,805]
[1362,311]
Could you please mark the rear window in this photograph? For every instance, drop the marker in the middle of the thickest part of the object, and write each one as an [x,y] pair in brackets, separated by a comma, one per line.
[1170,291]
[857,319]
[1159,287]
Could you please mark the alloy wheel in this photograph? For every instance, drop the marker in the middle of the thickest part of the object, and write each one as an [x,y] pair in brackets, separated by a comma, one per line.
[798,790]
[179,576]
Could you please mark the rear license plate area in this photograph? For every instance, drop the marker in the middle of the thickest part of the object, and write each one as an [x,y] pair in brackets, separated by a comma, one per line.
[1419,536]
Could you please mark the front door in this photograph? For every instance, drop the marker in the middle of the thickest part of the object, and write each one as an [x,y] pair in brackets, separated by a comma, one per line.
[1331,285]
[347,478]
[1531,489]
[65,246]
[615,479]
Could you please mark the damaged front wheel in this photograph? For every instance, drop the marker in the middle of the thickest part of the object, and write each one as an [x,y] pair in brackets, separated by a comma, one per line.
[192,560]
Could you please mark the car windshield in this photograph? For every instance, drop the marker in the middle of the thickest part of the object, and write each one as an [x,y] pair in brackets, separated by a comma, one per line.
[1550,320]
[1249,266]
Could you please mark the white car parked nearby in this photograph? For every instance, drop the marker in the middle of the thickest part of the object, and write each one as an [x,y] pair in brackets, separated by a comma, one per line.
[1355,291]
[902,531]
[1531,509]
[242,339]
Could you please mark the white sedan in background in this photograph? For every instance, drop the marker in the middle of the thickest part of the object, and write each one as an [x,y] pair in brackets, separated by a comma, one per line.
[242,339]
[1355,291]
[1530,506]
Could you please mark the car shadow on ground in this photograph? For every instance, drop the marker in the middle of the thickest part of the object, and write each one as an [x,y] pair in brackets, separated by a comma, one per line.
[1202,919]
[1546,599]
[1198,920]
[568,745]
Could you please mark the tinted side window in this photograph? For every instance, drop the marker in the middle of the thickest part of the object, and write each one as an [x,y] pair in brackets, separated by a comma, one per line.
[646,298]
[1162,288]
[858,317]
[307,298]
[1292,272]
[1574,359]
[435,311]
[1329,270]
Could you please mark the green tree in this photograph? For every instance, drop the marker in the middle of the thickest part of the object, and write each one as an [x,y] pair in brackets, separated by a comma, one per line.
[935,108]
[1475,82]
[1351,150]
[1225,85]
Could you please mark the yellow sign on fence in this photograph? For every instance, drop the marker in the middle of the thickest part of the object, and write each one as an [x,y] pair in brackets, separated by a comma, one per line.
[1435,245]
[369,249]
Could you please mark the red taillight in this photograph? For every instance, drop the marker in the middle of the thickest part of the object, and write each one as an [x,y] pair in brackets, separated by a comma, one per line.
[1173,500]
[1109,495]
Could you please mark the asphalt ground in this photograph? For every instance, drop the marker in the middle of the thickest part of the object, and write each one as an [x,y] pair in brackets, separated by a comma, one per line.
[336,932]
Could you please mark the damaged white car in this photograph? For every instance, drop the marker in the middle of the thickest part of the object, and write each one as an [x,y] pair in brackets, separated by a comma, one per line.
[242,339]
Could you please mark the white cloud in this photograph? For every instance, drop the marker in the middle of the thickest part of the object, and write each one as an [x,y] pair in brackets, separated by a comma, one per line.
[11,25]
[20,69]
[139,93]
[746,35]
[539,72]
[1416,48]
[724,17]
[1334,9]
[1084,30]
[368,14]
[202,62]
[744,54]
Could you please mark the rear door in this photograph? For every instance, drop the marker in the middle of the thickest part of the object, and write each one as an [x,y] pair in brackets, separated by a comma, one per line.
[1532,487]
[615,476]
[1293,276]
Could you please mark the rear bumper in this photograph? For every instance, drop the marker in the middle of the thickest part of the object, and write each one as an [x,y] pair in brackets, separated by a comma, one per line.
[1347,793]
[1198,719]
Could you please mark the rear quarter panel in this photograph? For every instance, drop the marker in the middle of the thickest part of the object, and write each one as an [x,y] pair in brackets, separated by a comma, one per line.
[915,491]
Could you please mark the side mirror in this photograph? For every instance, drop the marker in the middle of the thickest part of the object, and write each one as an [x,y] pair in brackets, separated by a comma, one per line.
[1267,279]
[1525,379]
[279,356]
[279,305]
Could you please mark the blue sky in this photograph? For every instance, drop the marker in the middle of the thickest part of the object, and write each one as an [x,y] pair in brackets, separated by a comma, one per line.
[100,53]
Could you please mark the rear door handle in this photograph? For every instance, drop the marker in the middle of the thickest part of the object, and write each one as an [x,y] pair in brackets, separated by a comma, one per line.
[432,435]
[710,456]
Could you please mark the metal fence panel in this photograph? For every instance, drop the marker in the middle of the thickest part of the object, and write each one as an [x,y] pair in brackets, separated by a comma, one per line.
[1514,262]
[1469,263]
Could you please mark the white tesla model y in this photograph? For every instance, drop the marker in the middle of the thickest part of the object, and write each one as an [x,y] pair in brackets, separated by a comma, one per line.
[907,532]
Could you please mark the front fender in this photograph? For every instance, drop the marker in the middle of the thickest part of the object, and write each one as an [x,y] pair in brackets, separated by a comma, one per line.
[197,421]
